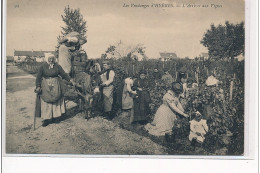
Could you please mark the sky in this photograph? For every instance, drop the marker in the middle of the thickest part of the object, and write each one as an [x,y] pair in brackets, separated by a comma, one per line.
[36,24]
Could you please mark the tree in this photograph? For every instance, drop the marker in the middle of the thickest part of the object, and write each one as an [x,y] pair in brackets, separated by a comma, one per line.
[103,56]
[126,52]
[74,21]
[225,41]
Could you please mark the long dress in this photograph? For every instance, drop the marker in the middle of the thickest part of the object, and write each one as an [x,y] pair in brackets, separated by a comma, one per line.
[127,96]
[108,78]
[141,102]
[52,102]
[165,117]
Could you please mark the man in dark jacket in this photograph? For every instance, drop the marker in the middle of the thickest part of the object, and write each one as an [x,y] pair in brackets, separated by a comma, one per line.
[156,74]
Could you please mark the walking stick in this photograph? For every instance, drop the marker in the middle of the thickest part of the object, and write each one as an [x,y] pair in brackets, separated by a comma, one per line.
[34,122]
[37,112]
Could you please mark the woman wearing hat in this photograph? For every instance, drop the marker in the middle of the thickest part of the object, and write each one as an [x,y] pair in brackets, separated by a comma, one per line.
[182,79]
[142,99]
[49,87]
[166,114]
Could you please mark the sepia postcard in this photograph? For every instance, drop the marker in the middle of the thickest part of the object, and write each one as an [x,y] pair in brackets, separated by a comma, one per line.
[124,78]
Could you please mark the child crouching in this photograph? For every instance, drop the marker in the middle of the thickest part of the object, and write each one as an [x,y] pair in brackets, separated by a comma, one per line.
[198,128]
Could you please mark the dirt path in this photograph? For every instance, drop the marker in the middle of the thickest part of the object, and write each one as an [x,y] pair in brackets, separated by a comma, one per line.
[73,135]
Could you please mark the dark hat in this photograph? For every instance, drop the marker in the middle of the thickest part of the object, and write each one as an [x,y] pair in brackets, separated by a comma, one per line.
[177,87]
[142,72]
[182,74]
[165,69]
[182,70]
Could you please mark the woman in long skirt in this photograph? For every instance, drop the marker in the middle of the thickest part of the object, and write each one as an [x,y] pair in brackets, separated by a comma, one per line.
[142,99]
[49,87]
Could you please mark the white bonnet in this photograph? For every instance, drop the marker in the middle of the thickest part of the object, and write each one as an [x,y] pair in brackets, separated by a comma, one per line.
[48,55]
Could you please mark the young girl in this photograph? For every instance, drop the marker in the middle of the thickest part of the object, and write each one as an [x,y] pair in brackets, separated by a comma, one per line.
[198,128]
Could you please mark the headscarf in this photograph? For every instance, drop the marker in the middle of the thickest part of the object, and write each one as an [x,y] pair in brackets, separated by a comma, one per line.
[49,55]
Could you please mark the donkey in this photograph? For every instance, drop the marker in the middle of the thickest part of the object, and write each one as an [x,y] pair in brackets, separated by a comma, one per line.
[87,85]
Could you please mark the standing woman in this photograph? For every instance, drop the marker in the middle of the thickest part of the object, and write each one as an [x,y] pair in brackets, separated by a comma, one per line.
[127,97]
[142,100]
[182,79]
[48,84]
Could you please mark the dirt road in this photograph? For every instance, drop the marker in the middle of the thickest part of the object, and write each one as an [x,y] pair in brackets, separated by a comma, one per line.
[72,135]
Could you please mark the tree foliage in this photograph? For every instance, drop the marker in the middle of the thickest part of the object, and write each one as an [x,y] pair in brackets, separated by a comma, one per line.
[225,41]
[124,51]
[74,21]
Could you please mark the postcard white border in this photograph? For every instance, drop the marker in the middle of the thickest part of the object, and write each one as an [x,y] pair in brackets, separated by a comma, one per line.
[247,162]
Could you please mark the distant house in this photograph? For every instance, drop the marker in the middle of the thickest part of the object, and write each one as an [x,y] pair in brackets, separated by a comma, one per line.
[38,56]
[165,56]
[9,59]
[204,56]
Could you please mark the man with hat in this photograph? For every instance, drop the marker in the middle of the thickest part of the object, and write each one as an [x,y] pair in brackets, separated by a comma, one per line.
[167,77]
[156,74]
[107,79]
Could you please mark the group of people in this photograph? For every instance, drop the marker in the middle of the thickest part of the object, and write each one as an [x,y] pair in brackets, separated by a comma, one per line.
[135,98]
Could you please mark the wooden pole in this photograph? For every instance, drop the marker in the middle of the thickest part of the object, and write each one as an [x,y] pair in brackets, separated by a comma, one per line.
[231,90]
[163,63]
[176,74]
[133,68]
[197,77]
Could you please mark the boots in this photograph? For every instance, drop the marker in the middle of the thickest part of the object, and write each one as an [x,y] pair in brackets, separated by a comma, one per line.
[193,144]
[47,122]
[107,115]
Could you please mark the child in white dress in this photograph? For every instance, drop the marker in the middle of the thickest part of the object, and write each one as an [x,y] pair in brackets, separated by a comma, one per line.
[198,128]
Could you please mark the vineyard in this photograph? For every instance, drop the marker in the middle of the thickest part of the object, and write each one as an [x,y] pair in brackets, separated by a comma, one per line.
[222,106]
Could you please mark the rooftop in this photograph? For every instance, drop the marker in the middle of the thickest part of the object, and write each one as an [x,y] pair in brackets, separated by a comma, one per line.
[31,53]
[168,55]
